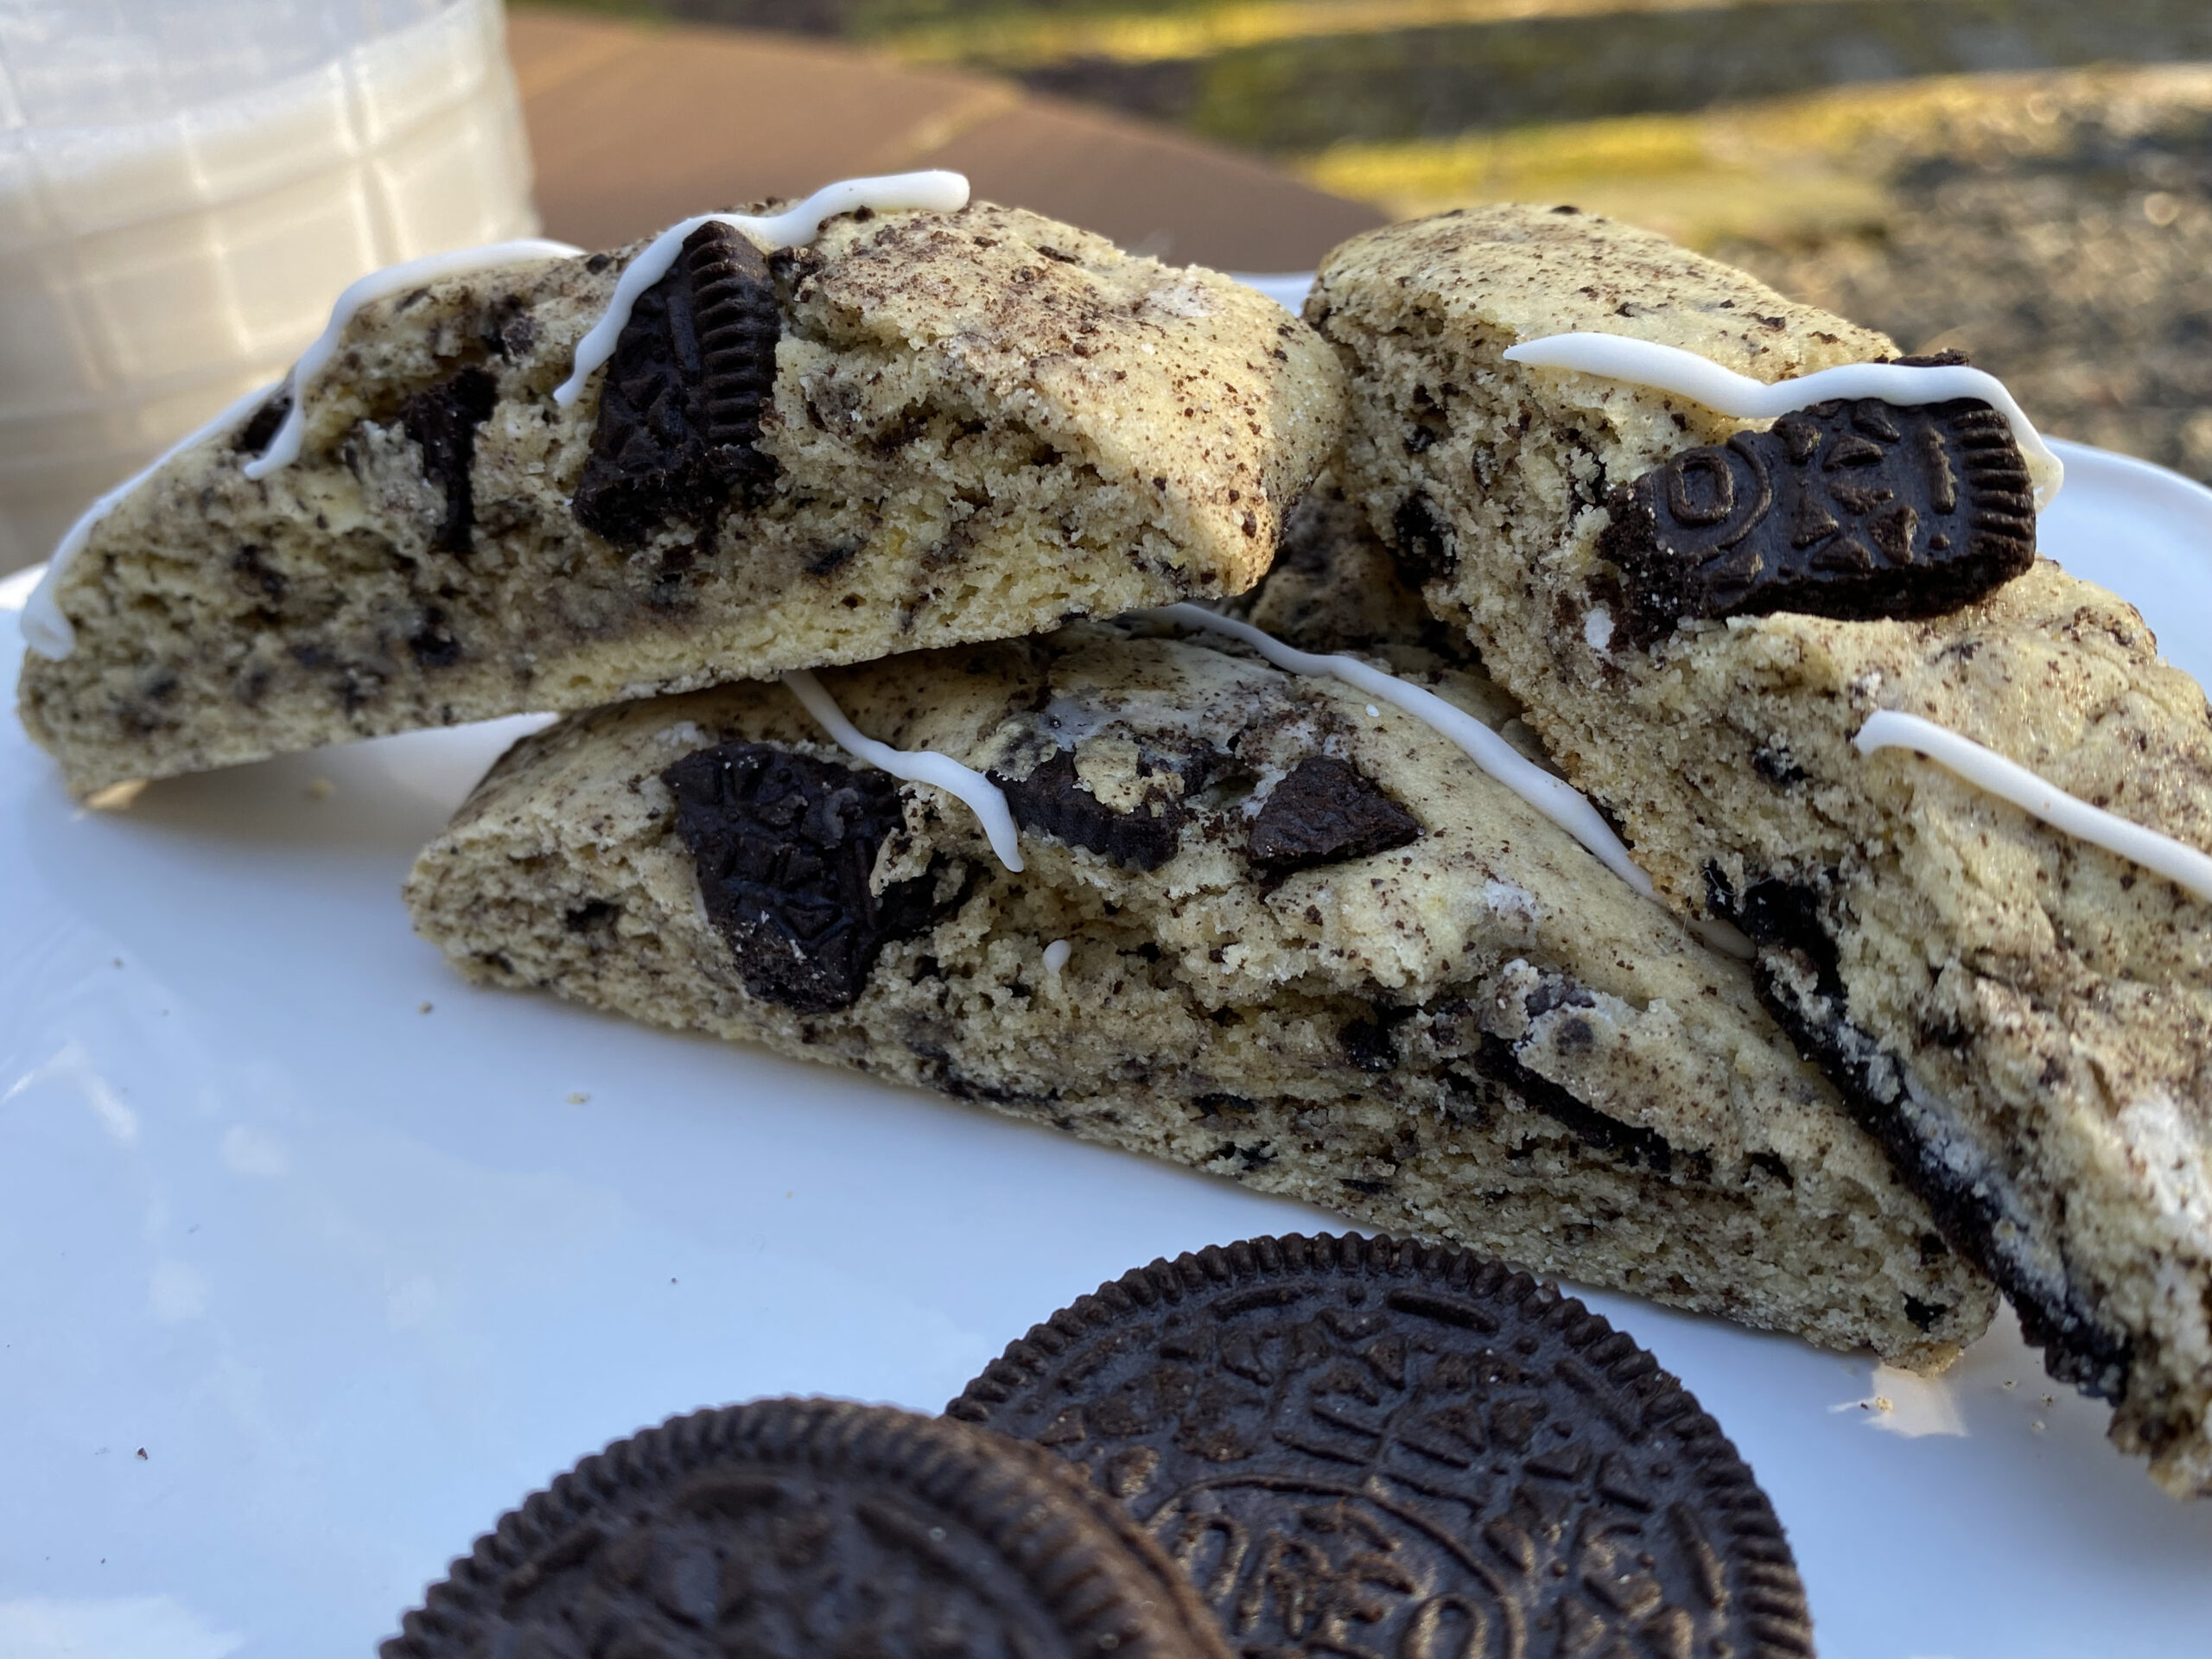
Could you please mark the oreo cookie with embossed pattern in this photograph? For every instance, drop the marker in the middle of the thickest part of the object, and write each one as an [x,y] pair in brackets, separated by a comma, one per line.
[1371,1446]
[811,1529]
[1855,510]
[680,408]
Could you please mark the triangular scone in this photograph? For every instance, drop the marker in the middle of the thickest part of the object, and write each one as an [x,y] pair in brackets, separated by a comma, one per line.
[2023,1018]
[973,425]
[1265,929]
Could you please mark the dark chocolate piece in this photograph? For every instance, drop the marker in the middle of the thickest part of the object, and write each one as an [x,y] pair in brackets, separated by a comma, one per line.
[784,845]
[680,404]
[1325,812]
[1798,977]
[1856,510]
[1052,801]
[1372,1447]
[443,421]
[792,1529]
[262,426]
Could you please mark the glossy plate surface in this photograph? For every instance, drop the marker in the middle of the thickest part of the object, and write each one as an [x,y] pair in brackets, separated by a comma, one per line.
[313,1260]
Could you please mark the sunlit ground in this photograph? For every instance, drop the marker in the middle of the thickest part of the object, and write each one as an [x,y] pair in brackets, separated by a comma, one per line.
[2029,180]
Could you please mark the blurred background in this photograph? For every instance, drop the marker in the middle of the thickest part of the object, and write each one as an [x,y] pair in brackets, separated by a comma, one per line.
[2029,180]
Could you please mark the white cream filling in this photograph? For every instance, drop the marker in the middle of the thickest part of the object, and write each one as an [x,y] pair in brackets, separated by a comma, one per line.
[1669,368]
[1988,771]
[983,797]
[1557,800]
[936,191]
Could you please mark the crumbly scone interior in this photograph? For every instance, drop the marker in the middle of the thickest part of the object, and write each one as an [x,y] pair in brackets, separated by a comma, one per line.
[982,423]
[2027,1018]
[1481,1035]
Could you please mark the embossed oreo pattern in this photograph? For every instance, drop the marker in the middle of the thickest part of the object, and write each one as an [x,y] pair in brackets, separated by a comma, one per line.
[783,846]
[1391,1451]
[1854,510]
[679,408]
[805,1529]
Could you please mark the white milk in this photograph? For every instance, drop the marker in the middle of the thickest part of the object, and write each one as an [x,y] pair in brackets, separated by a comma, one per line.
[168,241]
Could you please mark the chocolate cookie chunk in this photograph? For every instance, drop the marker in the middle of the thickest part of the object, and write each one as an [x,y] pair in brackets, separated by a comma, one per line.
[681,404]
[1324,812]
[1853,509]
[1052,800]
[784,845]
[798,1528]
[443,422]
[1365,1446]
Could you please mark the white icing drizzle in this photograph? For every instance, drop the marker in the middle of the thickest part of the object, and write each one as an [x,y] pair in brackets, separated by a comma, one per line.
[938,191]
[1556,799]
[45,630]
[2008,781]
[916,765]
[284,449]
[1669,368]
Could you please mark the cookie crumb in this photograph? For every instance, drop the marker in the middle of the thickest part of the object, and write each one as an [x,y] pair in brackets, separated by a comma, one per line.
[321,790]
[142,1454]
[425,1009]
[579,1099]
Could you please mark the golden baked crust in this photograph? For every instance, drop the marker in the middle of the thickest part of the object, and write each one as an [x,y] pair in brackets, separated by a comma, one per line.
[1480,1034]
[2025,1020]
[982,423]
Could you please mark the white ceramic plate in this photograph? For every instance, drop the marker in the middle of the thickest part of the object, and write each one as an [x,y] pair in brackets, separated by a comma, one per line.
[313,1260]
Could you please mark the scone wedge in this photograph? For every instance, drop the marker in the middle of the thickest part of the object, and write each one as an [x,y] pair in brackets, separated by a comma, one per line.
[2023,1018]
[919,429]
[1263,928]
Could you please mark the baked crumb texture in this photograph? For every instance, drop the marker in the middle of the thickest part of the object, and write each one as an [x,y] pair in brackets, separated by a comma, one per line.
[2023,1021]
[1308,947]
[973,426]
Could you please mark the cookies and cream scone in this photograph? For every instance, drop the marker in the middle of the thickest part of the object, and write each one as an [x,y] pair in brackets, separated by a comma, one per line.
[1724,628]
[509,481]
[1265,924]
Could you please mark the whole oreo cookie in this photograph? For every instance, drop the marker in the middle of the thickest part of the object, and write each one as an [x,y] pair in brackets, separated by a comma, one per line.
[1854,510]
[1370,1446]
[808,1529]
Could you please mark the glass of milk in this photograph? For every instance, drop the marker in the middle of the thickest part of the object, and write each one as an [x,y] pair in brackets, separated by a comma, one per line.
[185,186]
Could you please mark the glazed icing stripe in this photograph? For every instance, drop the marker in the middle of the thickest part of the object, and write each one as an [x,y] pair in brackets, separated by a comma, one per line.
[284,449]
[1558,801]
[943,192]
[1669,368]
[1989,772]
[916,765]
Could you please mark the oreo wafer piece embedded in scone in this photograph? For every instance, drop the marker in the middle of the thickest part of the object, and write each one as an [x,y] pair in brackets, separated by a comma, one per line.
[1371,1445]
[783,845]
[1325,810]
[681,407]
[1855,510]
[804,1527]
